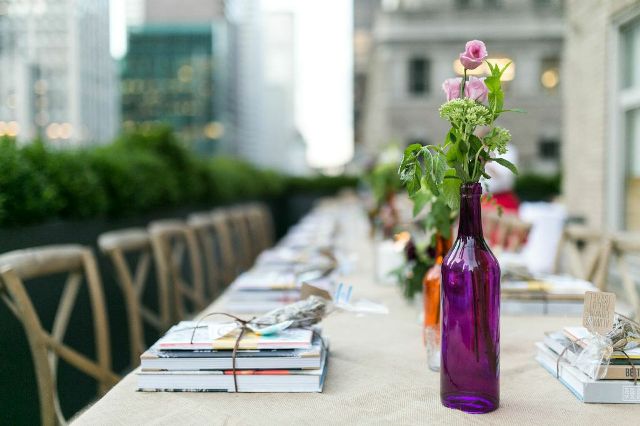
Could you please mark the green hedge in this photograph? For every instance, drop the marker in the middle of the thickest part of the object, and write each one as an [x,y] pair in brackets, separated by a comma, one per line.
[140,172]
[535,187]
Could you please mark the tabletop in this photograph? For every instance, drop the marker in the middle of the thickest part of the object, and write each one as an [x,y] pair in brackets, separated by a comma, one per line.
[377,374]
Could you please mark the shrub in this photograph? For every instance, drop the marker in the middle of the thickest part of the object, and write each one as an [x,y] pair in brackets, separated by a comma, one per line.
[79,191]
[535,187]
[161,142]
[325,185]
[134,180]
[26,196]
[143,170]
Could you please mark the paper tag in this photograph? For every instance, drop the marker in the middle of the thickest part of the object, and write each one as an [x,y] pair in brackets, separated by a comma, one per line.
[598,312]
[307,290]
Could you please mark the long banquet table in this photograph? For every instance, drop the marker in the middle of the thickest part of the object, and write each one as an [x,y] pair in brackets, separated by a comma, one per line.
[377,375]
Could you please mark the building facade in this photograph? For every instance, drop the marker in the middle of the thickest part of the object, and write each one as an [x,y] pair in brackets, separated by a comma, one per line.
[58,80]
[413,48]
[168,76]
[174,70]
[601,159]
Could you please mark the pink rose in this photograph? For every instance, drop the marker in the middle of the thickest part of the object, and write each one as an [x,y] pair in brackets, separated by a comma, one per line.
[451,87]
[474,53]
[476,89]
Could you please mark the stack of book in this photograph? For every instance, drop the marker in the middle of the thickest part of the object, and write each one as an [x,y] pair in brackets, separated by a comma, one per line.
[293,360]
[305,255]
[543,294]
[611,383]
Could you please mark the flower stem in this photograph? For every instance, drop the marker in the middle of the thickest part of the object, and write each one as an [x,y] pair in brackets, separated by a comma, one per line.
[463,83]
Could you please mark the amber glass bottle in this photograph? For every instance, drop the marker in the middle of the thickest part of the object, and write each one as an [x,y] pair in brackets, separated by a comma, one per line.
[431,292]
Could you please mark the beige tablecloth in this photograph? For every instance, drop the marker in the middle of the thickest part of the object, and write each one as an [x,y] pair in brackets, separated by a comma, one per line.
[377,375]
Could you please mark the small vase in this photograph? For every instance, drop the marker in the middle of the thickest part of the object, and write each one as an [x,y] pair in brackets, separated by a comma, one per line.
[470,361]
[431,299]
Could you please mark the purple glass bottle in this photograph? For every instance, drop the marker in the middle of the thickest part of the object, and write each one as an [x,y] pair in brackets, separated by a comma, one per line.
[470,360]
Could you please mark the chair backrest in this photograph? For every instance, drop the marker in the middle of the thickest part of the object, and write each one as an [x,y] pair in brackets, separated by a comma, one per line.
[129,251]
[46,346]
[490,221]
[625,249]
[203,225]
[261,226]
[586,253]
[230,266]
[241,235]
[517,233]
[172,241]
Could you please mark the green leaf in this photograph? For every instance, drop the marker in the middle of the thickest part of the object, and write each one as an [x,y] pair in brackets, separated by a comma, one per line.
[519,110]
[439,167]
[420,199]
[453,155]
[451,189]
[463,146]
[410,170]
[451,136]
[506,163]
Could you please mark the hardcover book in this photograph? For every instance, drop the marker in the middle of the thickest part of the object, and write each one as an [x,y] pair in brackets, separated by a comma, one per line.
[156,359]
[584,387]
[222,336]
[222,380]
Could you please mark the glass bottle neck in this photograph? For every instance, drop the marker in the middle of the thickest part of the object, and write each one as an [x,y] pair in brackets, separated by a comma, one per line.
[470,211]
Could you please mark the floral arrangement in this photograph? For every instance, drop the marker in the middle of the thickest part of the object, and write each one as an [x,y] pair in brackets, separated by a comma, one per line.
[384,183]
[472,108]
[419,256]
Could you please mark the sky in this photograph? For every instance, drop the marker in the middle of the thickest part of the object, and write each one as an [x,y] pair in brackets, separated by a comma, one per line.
[324,70]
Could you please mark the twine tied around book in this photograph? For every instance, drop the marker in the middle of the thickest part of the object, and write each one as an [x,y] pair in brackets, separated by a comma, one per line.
[599,349]
[246,325]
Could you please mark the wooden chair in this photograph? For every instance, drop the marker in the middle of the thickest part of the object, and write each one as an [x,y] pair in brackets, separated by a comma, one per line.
[133,279]
[623,247]
[490,224]
[172,241]
[46,346]
[203,226]
[261,225]
[230,266]
[517,234]
[586,251]
[241,236]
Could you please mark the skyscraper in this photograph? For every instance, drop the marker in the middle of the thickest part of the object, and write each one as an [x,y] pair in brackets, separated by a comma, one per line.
[57,78]
[174,71]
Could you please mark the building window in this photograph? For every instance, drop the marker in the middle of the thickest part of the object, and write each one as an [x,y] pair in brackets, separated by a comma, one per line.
[629,109]
[419,70]
[549,149]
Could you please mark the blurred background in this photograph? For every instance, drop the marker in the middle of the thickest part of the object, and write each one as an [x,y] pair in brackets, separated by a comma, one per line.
[113,112]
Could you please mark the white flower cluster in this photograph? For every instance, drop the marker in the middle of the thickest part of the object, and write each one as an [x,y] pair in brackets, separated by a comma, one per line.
[465,114]
[497,139]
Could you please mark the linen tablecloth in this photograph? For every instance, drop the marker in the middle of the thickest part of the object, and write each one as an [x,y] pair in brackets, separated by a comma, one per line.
[377,374]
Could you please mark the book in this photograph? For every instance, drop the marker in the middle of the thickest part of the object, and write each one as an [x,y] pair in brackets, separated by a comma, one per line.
[222,380]
[585,388]
[577,334]
[221,336]
[265,359]
[616,370]
[265,280]
[512,306]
